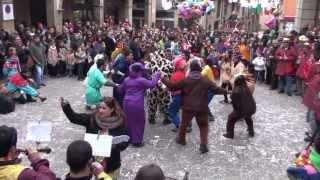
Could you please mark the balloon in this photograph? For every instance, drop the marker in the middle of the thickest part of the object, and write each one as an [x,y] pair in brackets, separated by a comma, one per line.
[271,23]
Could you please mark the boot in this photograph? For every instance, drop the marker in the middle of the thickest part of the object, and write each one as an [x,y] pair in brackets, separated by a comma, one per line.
[42,99]
[229,136]
[166,121]
[251,133]
[203,148]
[30,99]
[180,141]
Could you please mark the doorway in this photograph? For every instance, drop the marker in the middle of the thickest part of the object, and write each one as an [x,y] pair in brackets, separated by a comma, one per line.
[38,12]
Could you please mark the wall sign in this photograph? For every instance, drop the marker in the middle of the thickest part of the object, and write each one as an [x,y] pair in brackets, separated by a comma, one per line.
[7,12]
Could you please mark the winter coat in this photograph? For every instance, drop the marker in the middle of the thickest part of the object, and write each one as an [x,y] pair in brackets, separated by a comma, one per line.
[52,55]
[38,53]
[195,92]
[243,102]
[88,121]
[12,170]
[285,66]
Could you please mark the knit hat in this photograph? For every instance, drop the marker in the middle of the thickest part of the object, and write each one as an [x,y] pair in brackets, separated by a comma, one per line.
[179,62]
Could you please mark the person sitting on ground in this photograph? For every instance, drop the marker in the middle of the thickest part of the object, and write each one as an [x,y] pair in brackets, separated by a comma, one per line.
[150,172]
[20,82]
[107,119]
[80,161]
[10,167]
[195,90]
[307,164]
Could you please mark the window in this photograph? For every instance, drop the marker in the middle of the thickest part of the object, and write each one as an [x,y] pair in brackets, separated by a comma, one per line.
[138,13]
[218,8]
[165,14]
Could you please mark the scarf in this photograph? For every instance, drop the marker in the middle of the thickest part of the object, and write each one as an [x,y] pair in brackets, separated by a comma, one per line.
[194,75]
[315,159]
[108,122]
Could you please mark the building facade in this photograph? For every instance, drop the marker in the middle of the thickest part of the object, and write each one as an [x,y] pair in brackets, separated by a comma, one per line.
[223,9]
[137,12]
[307,13]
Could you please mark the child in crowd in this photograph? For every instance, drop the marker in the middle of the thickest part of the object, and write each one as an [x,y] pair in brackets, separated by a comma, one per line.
[70,61]
[226,75]
[80,161]
[12,64]
[259,67]
[81,56]
[52,59]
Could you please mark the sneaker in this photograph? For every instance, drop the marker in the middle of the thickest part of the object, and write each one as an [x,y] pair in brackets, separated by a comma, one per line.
[42,99]
[181,142]
[166,121]
[43,84]
[211,118]
[281,91]
[203,148]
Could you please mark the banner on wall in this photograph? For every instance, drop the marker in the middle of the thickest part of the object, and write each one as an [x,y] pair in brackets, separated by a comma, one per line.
[7,11]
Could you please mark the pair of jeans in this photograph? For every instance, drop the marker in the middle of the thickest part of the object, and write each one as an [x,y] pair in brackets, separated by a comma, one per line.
[38,74]
[285,83]
[174,108]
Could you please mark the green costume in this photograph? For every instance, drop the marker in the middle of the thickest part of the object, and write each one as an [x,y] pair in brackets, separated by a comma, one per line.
[96,80]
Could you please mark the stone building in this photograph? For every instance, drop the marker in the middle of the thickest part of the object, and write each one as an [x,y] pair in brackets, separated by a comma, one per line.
[224,8]
[308,12]
[138,12]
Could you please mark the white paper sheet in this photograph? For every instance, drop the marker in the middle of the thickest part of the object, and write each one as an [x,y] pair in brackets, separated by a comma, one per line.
[101,144]
[39,131]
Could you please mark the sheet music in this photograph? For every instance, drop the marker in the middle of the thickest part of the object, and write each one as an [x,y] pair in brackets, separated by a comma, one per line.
[101,144]
[39,131]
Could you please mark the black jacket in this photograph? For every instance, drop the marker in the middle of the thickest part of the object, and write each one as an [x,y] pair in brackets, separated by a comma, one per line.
[243,101]
[87,120]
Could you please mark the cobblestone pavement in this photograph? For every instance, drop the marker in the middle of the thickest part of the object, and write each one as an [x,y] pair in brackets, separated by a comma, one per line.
[279,125]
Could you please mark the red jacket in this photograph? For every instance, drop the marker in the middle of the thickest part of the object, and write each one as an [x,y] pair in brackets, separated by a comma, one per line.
[18,80]
[285,61]
[175,77]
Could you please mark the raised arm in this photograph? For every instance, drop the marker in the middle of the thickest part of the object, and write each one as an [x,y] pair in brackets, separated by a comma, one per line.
[151,83]
[40,171]
[76,118]
[173,86]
